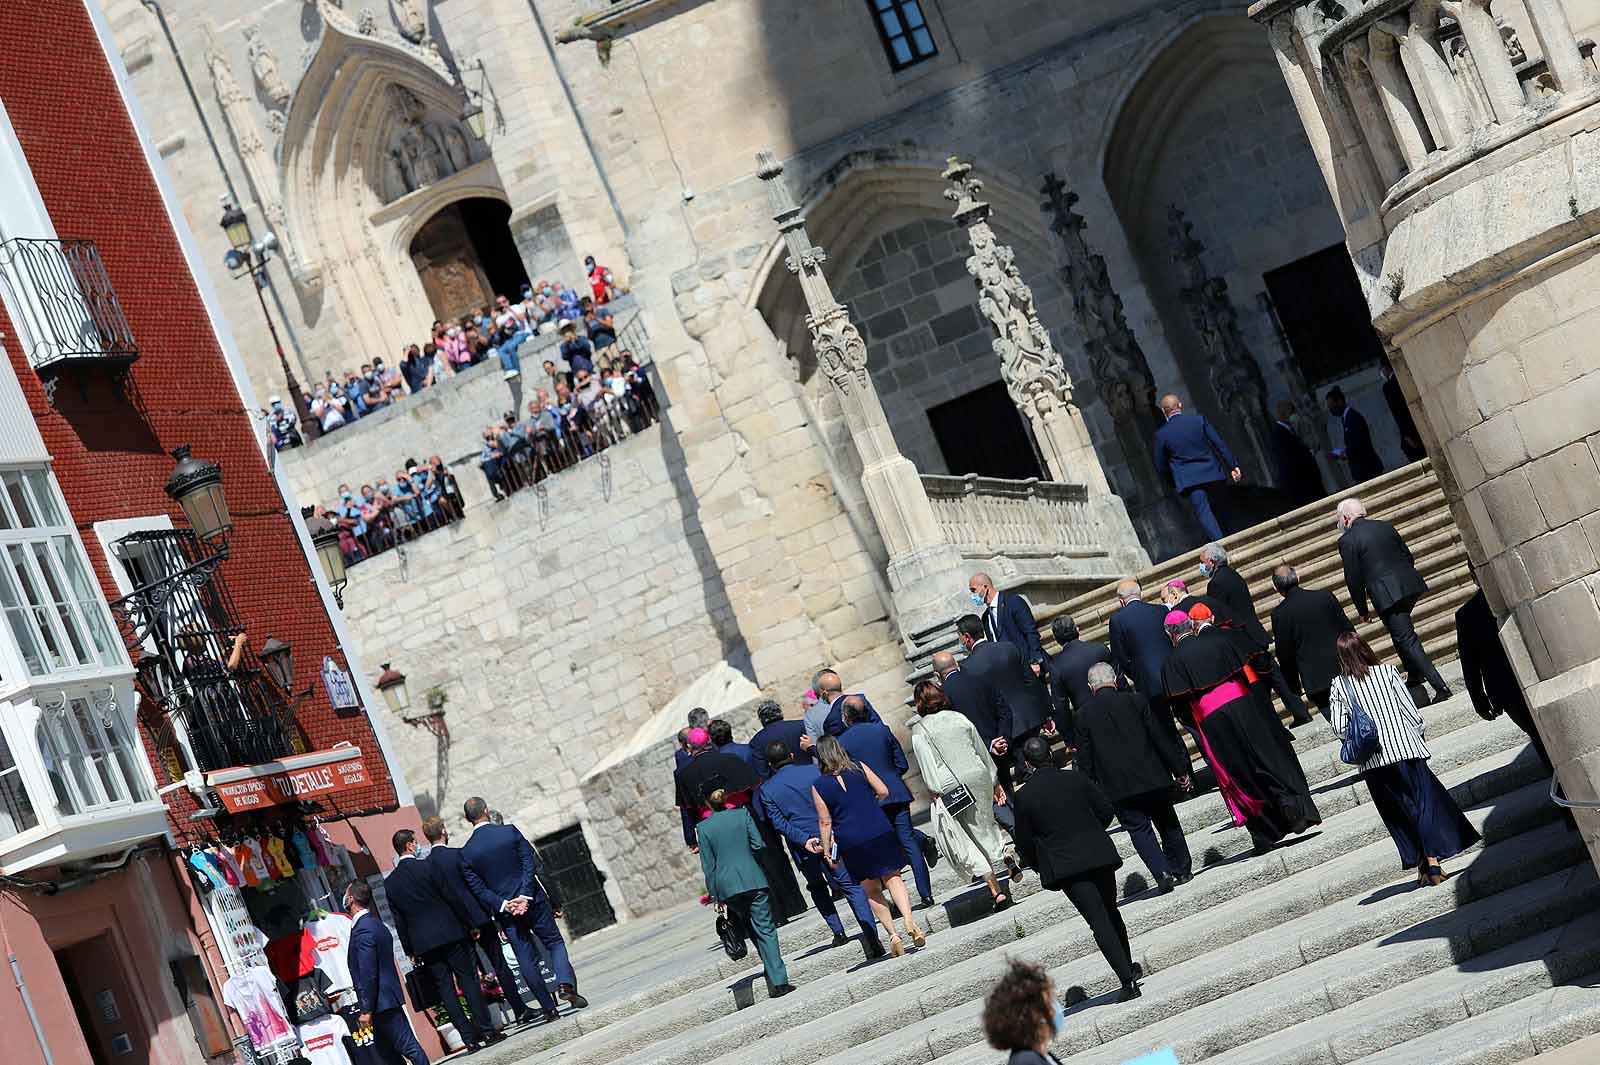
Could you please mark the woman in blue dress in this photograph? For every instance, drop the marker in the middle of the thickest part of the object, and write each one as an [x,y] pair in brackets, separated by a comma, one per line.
[847,797]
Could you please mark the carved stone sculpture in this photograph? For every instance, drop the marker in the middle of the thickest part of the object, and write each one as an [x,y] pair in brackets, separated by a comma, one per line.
[1032,369]
[1235,377]
[367,22]
[265,66]
[1116,362]
[411,16]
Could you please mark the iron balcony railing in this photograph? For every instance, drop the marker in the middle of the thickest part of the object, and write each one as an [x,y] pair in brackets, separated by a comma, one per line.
[67,309]
[180,623]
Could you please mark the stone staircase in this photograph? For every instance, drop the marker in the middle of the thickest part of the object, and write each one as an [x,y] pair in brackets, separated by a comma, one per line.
[1319,953]
[1410,498]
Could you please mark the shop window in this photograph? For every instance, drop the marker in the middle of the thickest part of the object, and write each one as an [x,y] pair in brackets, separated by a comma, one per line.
[52,607]
[904,31]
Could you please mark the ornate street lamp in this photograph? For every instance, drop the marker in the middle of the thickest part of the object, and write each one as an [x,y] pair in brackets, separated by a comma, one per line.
[392,683]
[156,675]
[236,226]
[278,660]
[196,486]
[247,256]
[472,115]
[325,540]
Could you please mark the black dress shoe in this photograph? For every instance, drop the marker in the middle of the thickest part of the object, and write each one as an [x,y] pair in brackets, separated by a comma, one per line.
[926,903]
[781,990]
[873,947]
[1182,878]
[1138,971]
[1166,885]
[473,1048]
[552,1016]
[1130,991]
[1440,696]
[570,993]
[840,939]
[491,1037]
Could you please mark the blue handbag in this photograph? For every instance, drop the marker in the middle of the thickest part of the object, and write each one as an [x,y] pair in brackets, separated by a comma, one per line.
[1361,735]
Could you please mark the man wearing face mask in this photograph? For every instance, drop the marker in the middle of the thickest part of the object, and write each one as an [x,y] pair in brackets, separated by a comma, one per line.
[1007,618]
[283,425]
[328,408]
[1294,465]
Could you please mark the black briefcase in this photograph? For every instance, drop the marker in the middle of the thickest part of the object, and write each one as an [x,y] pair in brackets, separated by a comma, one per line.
[423,992]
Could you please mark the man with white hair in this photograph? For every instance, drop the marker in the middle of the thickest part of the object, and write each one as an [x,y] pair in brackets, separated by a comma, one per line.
[1378,567]
[1226,587]
[1139,645]
[1135,755]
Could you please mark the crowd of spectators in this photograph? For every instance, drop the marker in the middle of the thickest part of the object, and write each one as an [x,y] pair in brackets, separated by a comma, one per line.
[422,497]
[495,332]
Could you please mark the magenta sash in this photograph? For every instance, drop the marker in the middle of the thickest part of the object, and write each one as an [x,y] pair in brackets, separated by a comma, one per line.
[1240,805]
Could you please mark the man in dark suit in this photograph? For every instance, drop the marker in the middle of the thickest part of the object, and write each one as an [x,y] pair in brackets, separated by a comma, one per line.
[1139,644]
[1007,618]
[1061,833]
[775,729]
[1377,563]
[503,872]
[722,738]
[1304,628]
[689,815]
[1395,399]
[1295,466]
[1068,673]
[486,931]
[435,930]
[787,804]
[1135,758]
[379,995]
[1010,694]
[1190,451]
[1225,586]
[875,746]
[1358,449]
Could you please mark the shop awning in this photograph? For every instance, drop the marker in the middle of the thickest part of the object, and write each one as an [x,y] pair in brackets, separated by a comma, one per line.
[289,780]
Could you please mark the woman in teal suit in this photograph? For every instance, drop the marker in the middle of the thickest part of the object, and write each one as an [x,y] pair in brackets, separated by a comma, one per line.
[728,844]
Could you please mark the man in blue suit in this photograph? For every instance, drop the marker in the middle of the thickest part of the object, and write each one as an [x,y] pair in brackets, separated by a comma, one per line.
[1007,618]
[874,746]
[1140,647]
[786,802]
[1194,455]
[503,872]
[722,738]
[379,993]
[775,729]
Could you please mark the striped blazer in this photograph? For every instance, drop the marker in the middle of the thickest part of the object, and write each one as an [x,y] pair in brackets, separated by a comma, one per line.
[1387,701]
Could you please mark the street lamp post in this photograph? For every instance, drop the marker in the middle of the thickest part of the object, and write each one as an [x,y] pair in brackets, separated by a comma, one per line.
[247,256]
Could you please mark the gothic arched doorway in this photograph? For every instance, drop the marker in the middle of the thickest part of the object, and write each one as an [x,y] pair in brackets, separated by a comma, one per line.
[465,256]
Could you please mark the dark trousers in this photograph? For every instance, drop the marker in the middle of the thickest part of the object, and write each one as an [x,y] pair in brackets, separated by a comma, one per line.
[452,965]
[1146,815]
[489,940]
[395,1039]
[1323,700]
[1408,645]
[820,881]
[752,906]
[1094,894]
[1200,503]
[1291,701]
[538,923]
[899,815]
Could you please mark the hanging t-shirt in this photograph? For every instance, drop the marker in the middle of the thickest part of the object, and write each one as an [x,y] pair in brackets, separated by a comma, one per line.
[302,847]
[277,860]
[331,937]
[253,994]
[324,1040]
[206,869]
[230,868]
[307,998]
[255,866]
[321,844]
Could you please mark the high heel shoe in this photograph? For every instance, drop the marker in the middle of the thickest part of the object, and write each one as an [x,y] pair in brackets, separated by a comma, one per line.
[1436,874]
[897,946]
[919,938]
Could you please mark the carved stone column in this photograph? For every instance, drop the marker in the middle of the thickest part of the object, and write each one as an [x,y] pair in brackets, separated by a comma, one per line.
[1235,376]
[1029,364]
[925,573]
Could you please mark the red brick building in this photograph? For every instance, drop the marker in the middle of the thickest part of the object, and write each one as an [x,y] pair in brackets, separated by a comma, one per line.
[143,731]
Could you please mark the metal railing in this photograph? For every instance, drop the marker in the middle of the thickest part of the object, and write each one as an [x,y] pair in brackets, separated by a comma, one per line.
[66,305]
[987,516]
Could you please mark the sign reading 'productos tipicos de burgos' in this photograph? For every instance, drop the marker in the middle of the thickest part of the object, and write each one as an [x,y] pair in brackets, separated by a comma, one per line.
[275,789]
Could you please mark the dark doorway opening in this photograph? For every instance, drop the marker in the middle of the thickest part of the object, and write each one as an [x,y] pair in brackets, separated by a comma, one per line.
[566,860]
[102,999]
[465,256]
[1324,315]
[982,432]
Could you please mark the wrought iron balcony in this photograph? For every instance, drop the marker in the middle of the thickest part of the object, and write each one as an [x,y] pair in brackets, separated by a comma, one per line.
[67,312]
[181,625]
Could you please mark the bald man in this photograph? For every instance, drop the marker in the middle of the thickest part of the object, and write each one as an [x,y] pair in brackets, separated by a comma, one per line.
[1190,451]
[1007,619]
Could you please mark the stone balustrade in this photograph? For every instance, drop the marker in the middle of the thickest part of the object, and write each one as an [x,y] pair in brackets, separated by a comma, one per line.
[1422,87]
[988,517]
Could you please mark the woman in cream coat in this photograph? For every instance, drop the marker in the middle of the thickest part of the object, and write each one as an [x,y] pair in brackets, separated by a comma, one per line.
[950,753]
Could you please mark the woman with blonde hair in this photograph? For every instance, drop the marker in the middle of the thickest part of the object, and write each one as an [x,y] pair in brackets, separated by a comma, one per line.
[854,825]
[955,763]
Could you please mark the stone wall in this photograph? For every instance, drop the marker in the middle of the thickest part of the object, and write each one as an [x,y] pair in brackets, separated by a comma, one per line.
[555,623]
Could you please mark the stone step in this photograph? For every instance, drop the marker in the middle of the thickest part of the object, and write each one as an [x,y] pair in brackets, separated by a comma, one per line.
[1314,882]
[667,1021]
[1548,1023]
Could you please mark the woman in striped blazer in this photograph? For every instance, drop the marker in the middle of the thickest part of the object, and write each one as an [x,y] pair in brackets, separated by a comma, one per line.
[1425,822]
